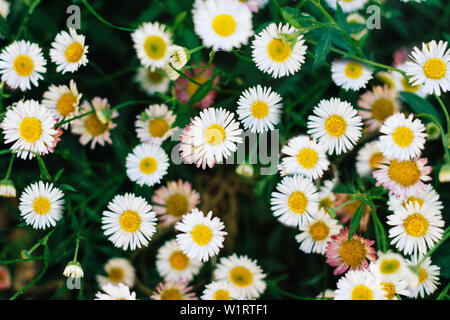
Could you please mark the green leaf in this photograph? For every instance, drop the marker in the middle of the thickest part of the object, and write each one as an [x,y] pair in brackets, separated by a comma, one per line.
[202,91]
[301,21]
[356,220]
[420,105]
[179,19]
[67,187]
[58,175]
[323,48]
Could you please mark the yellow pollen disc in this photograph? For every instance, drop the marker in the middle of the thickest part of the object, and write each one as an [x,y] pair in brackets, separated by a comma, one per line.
[415,225]
[41,205]
[177,205]
[389,288]
[278,50]
[201,235]
[375,160]
[130,221]
[221,294]
[154,77]
[66,104]
[171,294]
[389,266]
[307,158]
[403,136]
[241,276]
[215,134]
[115,275]
[423,275]
[408,87]
[74,52]
[192,87]
[158,127]
[155,47]
[434,69]
[148,165]
[325,203]
[362,292]
[260,109]
[405,173]
[224,25]
[94,126]
[353,253]
[319,230]
[23,65]
[413,200]
[30,129]
[335,126]
[382,109]
[178,260]
[353,70]
[298,202]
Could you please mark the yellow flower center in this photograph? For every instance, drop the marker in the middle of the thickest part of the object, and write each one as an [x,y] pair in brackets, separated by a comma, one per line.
[413,200]
[215,134]
[389,266]
[403,136]
[221,294]
[375,160]
[158,127]
[353,70]
[148,165]
[353,253]
[382,109]
[41,205]
[130,221]
[325,203]
[408,87]
[335,126]
[298,202]
[177,205]
[319,230]
[74,52]
[416,225]
[94,126]
[362,292]
[389,288]
[224,25]
[260,109]
[278,50]
[178,260]
[171,294]
[241,276]
[115,275]
[405,173]
[307,158]
[66,104]
[155,47]
[23,65]
[201,235]
[422,275]
[154,77]
[30,129]
[434,69]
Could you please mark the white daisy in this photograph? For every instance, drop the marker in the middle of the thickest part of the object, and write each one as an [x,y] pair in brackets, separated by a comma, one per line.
[41,205]
[335,125]
[173,290]
[350,74]
[222,24]
[219,290]
[259,109]
[369,157]
[73,270]
[426,280]
[347,5]
[112,292]
[305,156]
[68,51]
[151,41]
[4,8]
[316,234]
[296,201]
[244,275]
[389,265]
[274,55]
[428,196]
[21,63]
[154,124]
[129,222]
[178,57]
[430,67]
[359,285]
[118,270]
[173,264]
[30,126]
[326,195]
[402,84]
[7,189]
[201,237]
[152,81]
[396,286]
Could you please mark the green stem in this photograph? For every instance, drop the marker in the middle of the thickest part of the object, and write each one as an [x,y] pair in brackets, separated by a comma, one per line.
[44,172]
[75,256]
[447,118]
[11,161]
[196,49]
[31,8]
[99,17]
[13,261]
[241,56]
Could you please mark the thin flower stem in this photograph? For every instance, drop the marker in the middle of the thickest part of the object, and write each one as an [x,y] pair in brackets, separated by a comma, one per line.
[13,261]
[241,56]
[99,17]
[11,161]
[196,49]
[31,8]
[75,256]
[444,109]
[43,168]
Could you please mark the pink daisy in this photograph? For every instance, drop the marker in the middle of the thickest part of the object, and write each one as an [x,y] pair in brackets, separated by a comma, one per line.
[346,213]
[5,278]
[173,290]
[354,254]
[401,56]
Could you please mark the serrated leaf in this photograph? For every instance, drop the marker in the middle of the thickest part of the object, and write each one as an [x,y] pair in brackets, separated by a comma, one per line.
[323,48]
[356,220]
[420,105]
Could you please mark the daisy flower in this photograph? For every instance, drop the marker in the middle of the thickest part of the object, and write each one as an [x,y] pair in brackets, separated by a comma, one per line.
[403,178]
[315,235]
[350,74]
[347,212]
[295,201]
[21,64]
[369,158]
[210,138]
[4,8]
[377,105]
[174,200]
[344,254]
[118,270]
[173,290]
[152,81]
[7,189]
[335,125]
[91,127]
[426,280]
[347,5]
[430,67]
[73,270]
[129,221]
[222,24]
[5,278]
[326,196]
[112,292]
[429,197]
[243,274]
[388,78]
[154,124]
[62,101]
[359,285]
[414,228]
[68,51]
[303,155]
[201,237]
[151,42]
[173,264]
[396,286]
[178,57]
[389,266]
[402,84]
[272,54]
[259,109]
[41,205]
[402,137]
[219,290]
